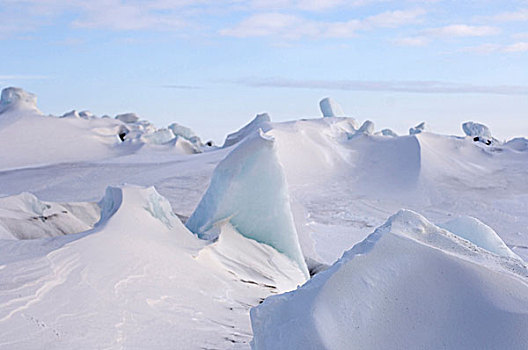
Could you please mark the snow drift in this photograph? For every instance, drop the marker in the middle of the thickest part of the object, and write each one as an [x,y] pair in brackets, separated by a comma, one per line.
[408,285]
[136,280]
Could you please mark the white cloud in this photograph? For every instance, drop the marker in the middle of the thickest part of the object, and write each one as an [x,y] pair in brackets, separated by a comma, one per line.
[492,48]
[415,86]
[520,15]
[412,41]
[462,30]
[295,27]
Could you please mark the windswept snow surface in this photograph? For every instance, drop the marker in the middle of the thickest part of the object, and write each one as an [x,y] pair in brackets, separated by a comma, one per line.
[279,201]
[409,285]
[139,279]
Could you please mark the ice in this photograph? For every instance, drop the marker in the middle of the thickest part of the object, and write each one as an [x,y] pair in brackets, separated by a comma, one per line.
[418,129]
[158,137]
[408,285]
[184,146]
[13,98]
[388,132]
[128,117]
[261,121]
[479,234]
[367,128]
[249,189]
[476,130]
[330,108]
[71,114]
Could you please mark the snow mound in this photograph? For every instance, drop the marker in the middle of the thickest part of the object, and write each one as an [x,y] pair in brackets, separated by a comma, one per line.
[519,144]
[24,216]
[261,121]
[139,279]
[408,285]
[330,108]
[477,130]
[418,129]
[249,189]
[13,98]
[128,117]
[479,234]
[184,146]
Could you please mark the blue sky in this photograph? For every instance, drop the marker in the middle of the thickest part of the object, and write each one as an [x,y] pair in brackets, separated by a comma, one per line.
[212,65]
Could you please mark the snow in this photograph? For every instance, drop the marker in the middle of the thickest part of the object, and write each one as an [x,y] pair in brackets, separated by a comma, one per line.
[367,128]
[24,216]
[134,281]
[479,234]
[330,108]
[371,298]
[248,188]
[388,132]
[261,121]
[280,200]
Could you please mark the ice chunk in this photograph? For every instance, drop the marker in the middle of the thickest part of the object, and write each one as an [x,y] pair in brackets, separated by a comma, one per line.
[184,146]
[127,117]
[186,133]
[158,137]
[371,298]
[249,189]
[366,128]
[16,98]
[418,129]
[261,121]
[476,130]
[479,234]
[388,132]
[71,114]
[86,115]
[330,108]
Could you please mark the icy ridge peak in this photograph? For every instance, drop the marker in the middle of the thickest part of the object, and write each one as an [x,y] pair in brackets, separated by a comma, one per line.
[17,98]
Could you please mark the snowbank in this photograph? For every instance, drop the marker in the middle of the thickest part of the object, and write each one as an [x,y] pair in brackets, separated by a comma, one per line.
[479,234]
[249,189]
[261,121]
[24,216]
[409,285]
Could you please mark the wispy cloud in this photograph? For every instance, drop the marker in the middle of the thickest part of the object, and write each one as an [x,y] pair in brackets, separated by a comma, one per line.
[487,48]
[461,30]
[520,15]
[429,87]
[23,77]
[181,87]
[287,26]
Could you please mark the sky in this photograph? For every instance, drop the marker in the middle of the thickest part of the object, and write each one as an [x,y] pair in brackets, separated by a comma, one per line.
[213,65]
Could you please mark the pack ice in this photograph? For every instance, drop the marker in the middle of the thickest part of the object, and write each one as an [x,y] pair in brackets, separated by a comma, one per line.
[115,233]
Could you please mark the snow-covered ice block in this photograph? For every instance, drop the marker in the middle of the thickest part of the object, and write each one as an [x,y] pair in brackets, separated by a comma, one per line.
[158,137]
[16,98]
[476,130]
[261,121]
[127,117]
[24,216]
[409,285]
[479,234]
[330,108]
[367,128]
[418,129]
[388,132]
[249,189]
